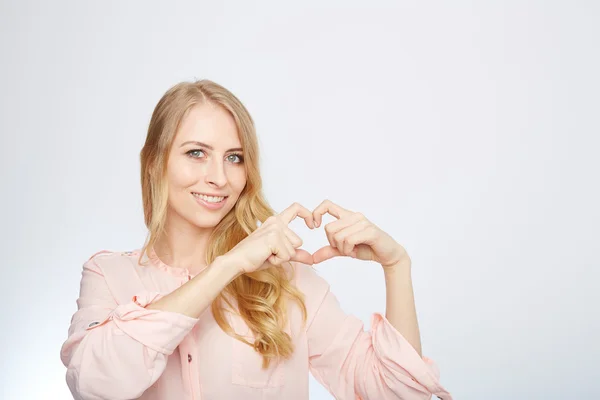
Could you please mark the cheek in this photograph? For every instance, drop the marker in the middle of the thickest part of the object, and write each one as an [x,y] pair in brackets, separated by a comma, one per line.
[181,176]
[237,180]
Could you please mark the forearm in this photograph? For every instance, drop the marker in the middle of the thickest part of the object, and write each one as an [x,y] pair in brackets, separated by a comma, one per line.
[400,303]
[194,296]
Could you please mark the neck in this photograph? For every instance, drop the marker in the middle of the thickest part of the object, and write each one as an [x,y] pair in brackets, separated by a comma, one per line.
[183,245]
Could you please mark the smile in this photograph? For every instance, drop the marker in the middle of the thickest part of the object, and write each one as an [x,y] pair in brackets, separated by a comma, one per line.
[210,199]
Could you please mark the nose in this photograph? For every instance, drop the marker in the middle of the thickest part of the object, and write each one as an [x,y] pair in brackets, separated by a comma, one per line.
[215,173]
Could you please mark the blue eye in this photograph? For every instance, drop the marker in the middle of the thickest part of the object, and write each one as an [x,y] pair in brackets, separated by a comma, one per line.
[192,153]
[239,156]
[235,158]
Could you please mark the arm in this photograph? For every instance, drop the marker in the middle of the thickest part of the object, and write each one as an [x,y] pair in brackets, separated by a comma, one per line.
[400,303]
[382,363]
[195,296]
[118,351]
[353,363]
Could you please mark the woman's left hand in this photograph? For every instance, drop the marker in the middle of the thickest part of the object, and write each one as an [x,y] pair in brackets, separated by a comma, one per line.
[353,235]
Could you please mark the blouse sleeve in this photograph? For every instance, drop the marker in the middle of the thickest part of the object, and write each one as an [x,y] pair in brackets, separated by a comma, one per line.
[353,363]
[117,351]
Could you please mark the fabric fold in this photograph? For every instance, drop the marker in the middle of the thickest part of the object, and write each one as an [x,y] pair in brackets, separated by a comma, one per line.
[159,330]
[390,346]
[114,349]
[352,362]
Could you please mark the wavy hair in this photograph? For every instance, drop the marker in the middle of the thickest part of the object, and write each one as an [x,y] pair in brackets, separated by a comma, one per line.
[261,296]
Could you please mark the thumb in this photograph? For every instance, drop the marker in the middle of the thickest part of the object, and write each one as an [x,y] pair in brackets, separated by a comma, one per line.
[303,256]
[325,253]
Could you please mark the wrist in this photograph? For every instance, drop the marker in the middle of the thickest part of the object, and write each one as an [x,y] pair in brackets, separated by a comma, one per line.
[400,267]
[227,266]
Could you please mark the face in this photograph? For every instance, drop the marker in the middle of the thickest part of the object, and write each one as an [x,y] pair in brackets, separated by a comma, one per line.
[206,167]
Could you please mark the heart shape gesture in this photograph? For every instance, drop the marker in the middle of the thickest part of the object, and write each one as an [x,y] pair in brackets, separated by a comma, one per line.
[353,235]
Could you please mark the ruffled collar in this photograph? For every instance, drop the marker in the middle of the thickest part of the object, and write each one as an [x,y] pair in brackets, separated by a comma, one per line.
[156,262]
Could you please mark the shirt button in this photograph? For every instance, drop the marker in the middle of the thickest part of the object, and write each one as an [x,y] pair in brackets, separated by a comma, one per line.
[189,358]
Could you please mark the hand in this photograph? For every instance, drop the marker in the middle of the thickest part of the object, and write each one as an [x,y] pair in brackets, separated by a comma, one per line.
[353,235]
[273,243]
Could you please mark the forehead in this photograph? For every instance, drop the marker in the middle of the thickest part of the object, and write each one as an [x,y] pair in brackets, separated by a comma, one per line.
[210,124]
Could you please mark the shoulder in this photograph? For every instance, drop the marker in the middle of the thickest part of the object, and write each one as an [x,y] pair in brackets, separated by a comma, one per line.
[112,273]
[307,279]
[102,259]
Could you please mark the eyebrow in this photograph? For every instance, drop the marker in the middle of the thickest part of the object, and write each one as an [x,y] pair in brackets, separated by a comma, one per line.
[207,146]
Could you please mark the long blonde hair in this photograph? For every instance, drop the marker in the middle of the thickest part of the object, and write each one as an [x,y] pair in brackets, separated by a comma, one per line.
[261,296]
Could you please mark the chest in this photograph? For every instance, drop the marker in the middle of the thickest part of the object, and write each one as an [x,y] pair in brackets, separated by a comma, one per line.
[221,364]
[211,362]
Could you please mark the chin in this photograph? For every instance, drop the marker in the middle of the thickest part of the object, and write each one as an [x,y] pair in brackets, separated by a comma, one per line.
[205,221]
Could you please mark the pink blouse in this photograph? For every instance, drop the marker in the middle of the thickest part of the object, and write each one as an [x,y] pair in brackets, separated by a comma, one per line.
[117,349]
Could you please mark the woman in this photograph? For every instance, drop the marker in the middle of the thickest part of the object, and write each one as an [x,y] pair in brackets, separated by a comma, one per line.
[221,302]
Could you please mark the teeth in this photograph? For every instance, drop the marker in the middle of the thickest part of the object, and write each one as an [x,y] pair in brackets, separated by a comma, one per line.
[209,199]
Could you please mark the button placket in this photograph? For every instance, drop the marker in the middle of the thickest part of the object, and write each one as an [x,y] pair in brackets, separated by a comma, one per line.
[187,347]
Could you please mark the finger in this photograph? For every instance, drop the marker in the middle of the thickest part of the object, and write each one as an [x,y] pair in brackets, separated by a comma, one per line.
[330,237]
[296,254]
[325,253]
[303,256]
[279,252]
[295,210]
[292,237]
[292,254]
[328,207]
[342,237]
[272,220]
[288,246]
[339,224]
[347,249]
[279,258]
[332,228]
[361,242]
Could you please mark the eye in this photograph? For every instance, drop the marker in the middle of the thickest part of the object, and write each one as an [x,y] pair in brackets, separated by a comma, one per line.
[232,158]
[193,153]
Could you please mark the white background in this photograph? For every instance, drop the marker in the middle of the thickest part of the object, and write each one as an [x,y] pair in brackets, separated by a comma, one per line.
[467,130]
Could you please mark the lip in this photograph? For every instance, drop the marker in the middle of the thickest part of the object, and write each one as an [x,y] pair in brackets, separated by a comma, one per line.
[210,194]
[210,206]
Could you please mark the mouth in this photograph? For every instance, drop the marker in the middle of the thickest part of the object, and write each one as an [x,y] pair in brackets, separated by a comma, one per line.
[210,199]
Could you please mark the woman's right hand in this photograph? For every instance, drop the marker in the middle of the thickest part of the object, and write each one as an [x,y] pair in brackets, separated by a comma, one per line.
[273,243]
